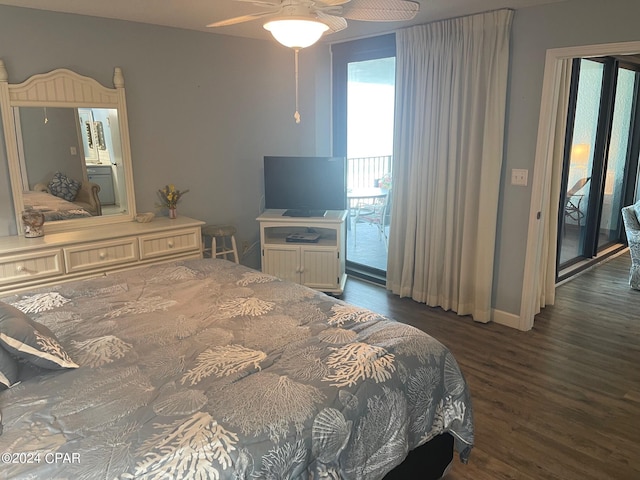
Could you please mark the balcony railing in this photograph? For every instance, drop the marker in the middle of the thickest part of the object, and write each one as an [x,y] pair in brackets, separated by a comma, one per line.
[362,172]
[370,249]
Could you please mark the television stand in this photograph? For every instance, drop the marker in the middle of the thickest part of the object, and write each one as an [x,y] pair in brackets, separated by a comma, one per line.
[304,213]
[308,251]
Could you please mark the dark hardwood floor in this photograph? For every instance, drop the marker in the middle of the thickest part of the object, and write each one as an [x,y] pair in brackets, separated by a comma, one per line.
[560,402]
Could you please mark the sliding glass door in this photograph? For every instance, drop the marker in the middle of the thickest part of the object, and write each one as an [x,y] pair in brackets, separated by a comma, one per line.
[364,101]
[601,158]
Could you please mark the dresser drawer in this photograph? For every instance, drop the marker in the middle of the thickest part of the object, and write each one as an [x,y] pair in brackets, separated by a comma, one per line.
[29,266]
[99,255]
[170,243]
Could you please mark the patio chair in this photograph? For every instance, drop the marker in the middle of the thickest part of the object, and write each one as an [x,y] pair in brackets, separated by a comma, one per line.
[630,216]
[574,198]
[373,214]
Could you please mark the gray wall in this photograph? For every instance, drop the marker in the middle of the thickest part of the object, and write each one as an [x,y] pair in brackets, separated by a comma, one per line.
[47,145]
[203,108]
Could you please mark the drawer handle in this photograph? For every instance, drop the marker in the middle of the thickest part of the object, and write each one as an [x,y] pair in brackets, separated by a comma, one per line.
[170,243]
[20,268]
[102,255]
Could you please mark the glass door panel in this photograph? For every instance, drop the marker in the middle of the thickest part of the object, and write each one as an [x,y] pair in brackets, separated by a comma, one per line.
[576,206]
[370,117]
[363,93]
[614,187]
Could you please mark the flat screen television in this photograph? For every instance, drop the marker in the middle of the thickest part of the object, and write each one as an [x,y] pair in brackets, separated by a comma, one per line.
[305,186]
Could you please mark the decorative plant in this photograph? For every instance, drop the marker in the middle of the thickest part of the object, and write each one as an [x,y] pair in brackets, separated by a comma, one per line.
[170,196]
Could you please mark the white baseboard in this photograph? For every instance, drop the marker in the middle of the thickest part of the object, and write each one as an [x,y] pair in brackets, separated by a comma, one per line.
[506,318]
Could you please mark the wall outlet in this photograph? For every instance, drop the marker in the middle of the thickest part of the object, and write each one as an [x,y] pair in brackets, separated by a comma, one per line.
[519,177]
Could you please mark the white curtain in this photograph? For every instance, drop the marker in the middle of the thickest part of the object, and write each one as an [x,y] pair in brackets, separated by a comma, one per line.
[553,181]
[451,89]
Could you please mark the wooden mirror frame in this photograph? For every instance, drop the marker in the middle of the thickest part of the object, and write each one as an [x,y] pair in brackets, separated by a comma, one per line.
[64,88]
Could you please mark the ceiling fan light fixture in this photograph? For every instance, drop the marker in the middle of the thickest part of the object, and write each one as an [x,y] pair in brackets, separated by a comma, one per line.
[297,32]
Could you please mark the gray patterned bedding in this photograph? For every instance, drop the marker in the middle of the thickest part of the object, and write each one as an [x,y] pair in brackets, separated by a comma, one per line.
[204,369]
[53,208]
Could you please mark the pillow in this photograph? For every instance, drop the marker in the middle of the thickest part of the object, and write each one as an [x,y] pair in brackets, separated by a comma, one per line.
[30,341]
[8,369]
[64,187]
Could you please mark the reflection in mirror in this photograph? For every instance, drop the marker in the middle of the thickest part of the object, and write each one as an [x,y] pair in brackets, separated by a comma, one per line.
[67,139]
[78,144]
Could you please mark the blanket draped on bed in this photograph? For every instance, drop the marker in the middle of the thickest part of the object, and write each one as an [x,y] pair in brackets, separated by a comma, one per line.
[207,369]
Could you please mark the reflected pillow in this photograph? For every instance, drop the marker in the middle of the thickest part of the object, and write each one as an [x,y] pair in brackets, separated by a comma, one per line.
[64,187]
[8,369]
[31,341]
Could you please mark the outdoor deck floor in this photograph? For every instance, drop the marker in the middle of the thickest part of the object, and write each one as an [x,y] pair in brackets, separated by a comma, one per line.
[367,247]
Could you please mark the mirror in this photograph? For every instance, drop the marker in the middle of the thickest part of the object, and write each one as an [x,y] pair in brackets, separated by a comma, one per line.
[68,149]
[81,143]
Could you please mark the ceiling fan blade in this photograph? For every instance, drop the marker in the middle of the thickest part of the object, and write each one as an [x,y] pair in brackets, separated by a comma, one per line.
[335,23]
[241,19]
[381,10]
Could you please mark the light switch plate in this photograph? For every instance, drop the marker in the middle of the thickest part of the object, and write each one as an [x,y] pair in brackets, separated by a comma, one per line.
[519,177]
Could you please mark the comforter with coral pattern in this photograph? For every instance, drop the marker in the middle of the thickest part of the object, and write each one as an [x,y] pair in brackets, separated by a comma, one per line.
[207,369]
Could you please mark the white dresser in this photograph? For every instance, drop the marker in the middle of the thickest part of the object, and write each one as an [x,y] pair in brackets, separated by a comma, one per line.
[30,262]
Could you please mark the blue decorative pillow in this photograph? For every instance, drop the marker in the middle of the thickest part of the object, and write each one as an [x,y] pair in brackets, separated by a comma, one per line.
[31,341]
[64,187]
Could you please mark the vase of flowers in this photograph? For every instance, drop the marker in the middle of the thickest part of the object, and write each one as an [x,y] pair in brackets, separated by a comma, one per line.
[170,196]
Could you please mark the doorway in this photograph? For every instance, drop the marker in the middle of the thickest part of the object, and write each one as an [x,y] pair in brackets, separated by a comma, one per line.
[600,160]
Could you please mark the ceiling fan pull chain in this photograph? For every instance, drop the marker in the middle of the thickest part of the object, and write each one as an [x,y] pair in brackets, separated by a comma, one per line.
[297,114]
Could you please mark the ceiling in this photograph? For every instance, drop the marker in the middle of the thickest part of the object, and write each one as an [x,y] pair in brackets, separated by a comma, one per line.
[195,14]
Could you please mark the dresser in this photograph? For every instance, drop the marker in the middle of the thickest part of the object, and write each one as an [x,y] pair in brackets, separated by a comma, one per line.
[26,263]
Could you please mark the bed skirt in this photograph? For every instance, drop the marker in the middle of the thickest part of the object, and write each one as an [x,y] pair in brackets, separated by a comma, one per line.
[427,462]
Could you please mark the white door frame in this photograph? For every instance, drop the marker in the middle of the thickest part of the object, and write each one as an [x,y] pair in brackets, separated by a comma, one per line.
[540,187]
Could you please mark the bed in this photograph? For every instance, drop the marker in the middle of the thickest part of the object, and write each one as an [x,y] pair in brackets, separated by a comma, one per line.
[53,208]
[205,369]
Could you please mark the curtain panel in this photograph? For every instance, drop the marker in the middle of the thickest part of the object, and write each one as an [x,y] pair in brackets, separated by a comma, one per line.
[451,91]
[553,183]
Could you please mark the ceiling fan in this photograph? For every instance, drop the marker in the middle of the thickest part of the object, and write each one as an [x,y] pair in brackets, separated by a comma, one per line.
[300,23]
[320,16]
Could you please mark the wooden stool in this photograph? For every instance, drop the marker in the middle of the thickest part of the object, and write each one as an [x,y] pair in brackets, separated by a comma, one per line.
[221,232]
